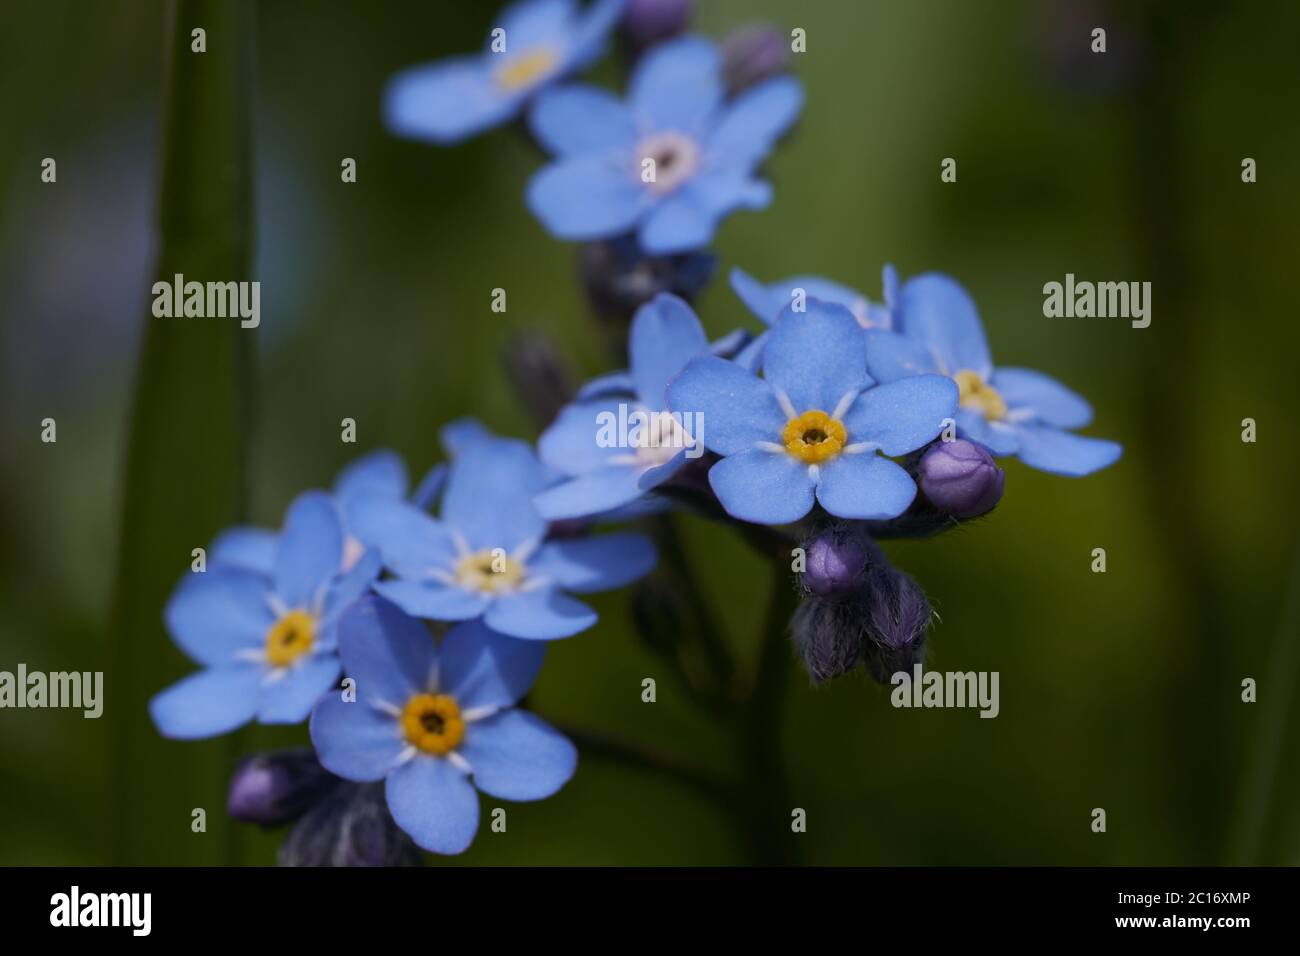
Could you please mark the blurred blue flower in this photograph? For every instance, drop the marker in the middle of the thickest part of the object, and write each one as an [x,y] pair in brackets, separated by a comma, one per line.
[1010,411]
[670,162]
[435,724]
[812,426]
[266,642]
[487,554]
[767,301]
[534,43]
[380,472]
[608,467]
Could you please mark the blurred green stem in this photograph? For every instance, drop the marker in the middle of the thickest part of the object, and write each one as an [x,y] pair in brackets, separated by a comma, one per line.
[762,729]
[184,473]
[1258,795]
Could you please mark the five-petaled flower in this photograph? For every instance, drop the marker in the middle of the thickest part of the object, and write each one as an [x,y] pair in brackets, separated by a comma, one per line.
[534,43]
[1010,411]
[436,723]
[487,553]
[812,426]
[267,642]
[603,474]
[670,162]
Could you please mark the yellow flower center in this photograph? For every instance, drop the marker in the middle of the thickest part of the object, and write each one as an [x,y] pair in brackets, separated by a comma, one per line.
[977,394]
[290,637]
[523,71]
[814,436]
[432,722]
[489,570]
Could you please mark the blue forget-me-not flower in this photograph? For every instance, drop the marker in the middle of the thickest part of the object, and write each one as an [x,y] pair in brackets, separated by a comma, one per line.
[620,442]
[1010,411]
[534,43]
[435,724]
[266,642]
[812,426]
[487,553]
[669,162]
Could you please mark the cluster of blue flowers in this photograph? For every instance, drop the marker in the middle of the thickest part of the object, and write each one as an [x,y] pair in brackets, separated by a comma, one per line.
[439,622]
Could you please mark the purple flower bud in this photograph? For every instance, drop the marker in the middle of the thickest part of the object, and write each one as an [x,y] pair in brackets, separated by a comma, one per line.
[619,278]
[275,788]
[753,54]
[646,22]
[898,618]
[352,827]
[538,374]
[828,635]
[960,478]
[835,562]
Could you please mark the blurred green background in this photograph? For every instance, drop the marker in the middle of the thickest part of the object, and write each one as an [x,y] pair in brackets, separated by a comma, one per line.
[1119,690]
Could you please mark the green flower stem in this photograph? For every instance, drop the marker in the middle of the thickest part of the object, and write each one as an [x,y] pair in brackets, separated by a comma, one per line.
[184,466]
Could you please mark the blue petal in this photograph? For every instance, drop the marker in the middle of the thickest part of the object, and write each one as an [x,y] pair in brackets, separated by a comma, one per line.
[755,120]
[592,196]
[289,700]
[750,358]
[208,703]
[1048,400]
[598,491]
[765,301]
[891,356]
[482,668]
[355,740]
[865,487]
[448,101]
[581,119]
[763,486]
[433,802]
[516,756]
[937,312]
[734,409]
[432,600]
[901,416]
[381,472]
[665,335]
[816,357]
[388,653]
[731,343]
[311,549]
[349,586]
[687,219]
[613,383]
[490,491]
[541,615]
[430,487]
[1059,452]
[600,563]
[570,444]
[998,437]
[244,547]
[815,287]
[588,37]
[529,23]
[213,614]
[678,85]
[410,542]
[889,286]
[463,433]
